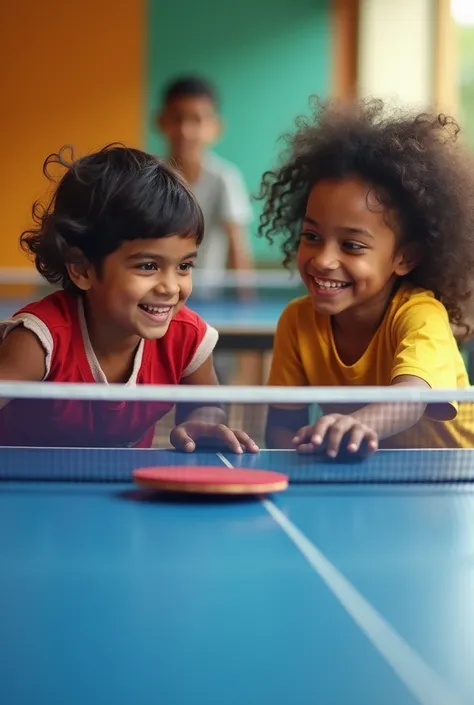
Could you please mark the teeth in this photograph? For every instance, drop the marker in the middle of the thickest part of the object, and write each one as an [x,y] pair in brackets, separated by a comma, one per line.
[155,310]
[324,284]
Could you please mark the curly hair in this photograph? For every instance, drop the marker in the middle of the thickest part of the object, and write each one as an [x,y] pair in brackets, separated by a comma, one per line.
[415,165]
[103,199]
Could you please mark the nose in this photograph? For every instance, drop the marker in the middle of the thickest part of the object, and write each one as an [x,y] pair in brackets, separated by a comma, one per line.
[326,258]
[168,285]
[186,130]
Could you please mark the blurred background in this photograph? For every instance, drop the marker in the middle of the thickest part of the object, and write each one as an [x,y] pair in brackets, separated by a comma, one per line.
[88,72]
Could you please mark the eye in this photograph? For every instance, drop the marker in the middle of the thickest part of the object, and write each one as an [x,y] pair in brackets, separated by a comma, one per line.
[147,266]
[186,267]
[311,237]
[351,246]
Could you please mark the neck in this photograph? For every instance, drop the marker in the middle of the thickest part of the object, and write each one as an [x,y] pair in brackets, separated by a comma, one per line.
[190,168]
[105,339]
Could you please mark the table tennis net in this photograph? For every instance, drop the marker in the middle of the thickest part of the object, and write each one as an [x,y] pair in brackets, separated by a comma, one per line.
[87,433]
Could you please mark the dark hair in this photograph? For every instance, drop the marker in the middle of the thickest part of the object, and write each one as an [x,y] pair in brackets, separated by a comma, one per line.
[190,87]
[415,165]
[103,199]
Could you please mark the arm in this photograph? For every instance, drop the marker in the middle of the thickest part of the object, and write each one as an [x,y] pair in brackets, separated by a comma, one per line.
[235,213]
[22,357]
[240,257]
[212,413]
[389,419]
[424,356]
[384,420]
[361,430]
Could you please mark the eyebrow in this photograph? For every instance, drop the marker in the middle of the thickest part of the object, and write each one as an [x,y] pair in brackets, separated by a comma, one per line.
[153,255]
[354,231]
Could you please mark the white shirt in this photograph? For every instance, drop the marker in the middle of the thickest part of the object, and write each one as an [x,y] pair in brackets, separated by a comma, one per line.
[221,192]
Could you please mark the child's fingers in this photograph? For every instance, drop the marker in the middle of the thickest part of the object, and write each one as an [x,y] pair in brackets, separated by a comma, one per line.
[188,435]
[321,428]
[222,433]
[181,440]
[356,436]
[336,433]
[307,448]
[303,435]
[245,441]
[362,441]
[371,441]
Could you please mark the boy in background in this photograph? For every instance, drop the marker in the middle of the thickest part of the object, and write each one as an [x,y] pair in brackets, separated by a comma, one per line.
[189,120]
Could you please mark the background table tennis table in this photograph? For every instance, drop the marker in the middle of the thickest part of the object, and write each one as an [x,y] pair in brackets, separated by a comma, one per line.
[244,324]
[328,593]
[247,323]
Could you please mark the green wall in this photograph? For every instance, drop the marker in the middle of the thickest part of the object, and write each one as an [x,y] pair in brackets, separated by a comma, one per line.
[465,80]
[266,58]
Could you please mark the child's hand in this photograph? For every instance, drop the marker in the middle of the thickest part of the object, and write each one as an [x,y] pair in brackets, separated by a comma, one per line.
[189,434]
[337,433]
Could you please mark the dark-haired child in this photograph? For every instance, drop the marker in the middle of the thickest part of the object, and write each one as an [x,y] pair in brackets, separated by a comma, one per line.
[120,236]
[378,209]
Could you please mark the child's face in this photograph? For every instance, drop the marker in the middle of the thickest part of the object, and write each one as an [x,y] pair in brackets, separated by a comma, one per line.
[142,285]
[191,125]
[348,256]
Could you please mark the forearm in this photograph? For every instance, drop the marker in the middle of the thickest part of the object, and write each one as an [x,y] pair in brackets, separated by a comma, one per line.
[389,419]
[240,259]
[240,256]
[214,414]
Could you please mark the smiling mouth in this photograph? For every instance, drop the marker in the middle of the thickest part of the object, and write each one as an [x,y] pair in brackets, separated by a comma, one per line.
[332,285]
[160,314]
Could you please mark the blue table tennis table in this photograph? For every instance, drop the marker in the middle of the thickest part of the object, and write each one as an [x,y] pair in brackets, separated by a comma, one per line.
[333,592]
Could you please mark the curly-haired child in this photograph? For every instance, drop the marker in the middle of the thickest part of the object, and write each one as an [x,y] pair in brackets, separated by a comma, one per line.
[377,207]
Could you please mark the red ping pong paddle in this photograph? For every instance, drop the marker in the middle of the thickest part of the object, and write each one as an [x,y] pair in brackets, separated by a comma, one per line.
[210,480]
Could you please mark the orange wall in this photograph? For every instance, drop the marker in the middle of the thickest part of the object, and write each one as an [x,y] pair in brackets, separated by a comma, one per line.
[72,73]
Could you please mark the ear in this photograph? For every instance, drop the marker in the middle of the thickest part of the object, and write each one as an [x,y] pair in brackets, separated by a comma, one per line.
[407,258]
[80,270]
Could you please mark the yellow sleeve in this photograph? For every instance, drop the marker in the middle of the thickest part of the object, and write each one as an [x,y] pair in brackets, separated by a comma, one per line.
[425,347]
[286,368]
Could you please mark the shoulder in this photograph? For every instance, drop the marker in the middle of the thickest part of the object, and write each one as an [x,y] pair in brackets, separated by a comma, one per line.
[299,312]
[50,320]
[44,317]
[190,339]
[416,307]
[55,308]
[188,322]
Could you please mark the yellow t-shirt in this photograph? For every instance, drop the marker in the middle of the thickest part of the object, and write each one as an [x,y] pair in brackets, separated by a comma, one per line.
[414,338]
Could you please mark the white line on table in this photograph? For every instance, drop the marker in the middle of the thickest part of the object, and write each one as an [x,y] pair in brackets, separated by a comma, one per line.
[419,678]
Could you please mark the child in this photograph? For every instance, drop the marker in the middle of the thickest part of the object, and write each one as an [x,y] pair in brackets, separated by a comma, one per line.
[190,122]
[120,236]
[379,211]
